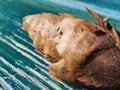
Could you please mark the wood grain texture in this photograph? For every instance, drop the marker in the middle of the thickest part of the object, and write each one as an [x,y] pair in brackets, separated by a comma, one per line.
[22,67]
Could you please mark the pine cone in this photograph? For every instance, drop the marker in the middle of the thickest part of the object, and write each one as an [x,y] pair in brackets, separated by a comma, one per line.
[82,52]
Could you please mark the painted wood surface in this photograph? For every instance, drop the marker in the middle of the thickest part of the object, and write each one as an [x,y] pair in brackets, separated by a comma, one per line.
[22,67]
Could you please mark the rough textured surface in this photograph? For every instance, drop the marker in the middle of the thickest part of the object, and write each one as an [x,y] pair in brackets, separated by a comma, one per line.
[102,70]
[82,52]
[21,65]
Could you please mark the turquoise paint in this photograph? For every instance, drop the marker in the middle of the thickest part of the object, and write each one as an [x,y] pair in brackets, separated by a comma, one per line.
[15,59]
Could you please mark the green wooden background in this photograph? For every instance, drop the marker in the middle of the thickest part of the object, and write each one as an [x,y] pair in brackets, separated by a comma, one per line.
[22,67]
